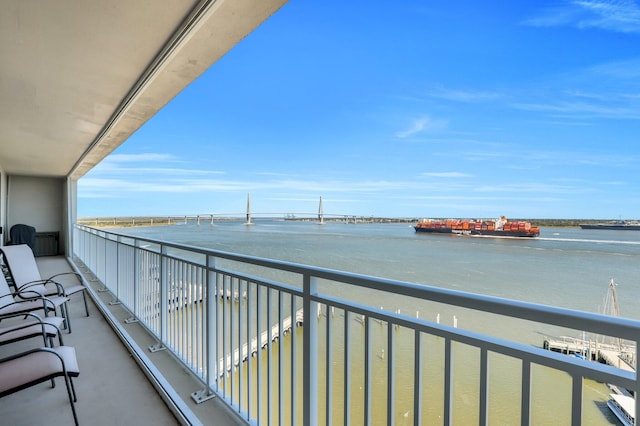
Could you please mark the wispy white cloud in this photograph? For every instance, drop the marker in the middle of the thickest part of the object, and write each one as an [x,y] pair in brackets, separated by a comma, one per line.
[420,125]
[582,110]
[145,157]
[158,164]
[612,15]
[447,174]
[535,187]
[158,171]
[609,90]
[628,70]
[469,96]
[107,186]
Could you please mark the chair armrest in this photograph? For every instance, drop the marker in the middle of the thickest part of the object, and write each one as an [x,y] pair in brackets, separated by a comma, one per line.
[23,314]
[17,327]
[37,296]
[77,275]
[59,287]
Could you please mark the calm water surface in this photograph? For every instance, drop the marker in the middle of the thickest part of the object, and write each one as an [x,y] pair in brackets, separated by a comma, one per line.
[566,267]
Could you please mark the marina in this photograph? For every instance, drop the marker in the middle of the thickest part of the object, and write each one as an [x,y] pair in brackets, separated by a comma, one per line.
[623,358]
[231,361]
[576,263]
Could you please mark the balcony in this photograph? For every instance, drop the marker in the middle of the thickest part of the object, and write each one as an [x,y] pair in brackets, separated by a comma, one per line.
[112,388]
[189,317]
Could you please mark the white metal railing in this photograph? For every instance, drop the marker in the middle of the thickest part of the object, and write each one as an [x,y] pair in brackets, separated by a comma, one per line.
[231,319]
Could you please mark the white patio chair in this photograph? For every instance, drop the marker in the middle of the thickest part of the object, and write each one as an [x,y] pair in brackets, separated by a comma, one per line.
[26,369]
[29,300]
[24,273]
[17,327]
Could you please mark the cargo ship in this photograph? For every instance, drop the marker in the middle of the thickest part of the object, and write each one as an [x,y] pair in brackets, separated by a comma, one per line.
[495,228]
[619,225]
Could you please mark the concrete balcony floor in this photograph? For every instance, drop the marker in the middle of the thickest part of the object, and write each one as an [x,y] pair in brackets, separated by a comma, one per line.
[111,388]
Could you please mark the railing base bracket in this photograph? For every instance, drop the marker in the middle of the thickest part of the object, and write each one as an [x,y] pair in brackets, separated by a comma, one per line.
[131,320]
[157,347]
[202,396]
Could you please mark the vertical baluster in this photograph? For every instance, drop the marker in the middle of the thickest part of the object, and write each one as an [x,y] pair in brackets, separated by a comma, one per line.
[484,387]
[259,352]
[269,359]
[417,379]
[391,373]
[448,382]
[218,336]
[294,361]
[250,383]
[310,344]
[232,361]
[347,369]
[576,398]
[525,414]
[160,260]
[368,374]
[329,369]
[281,358]
[240,343]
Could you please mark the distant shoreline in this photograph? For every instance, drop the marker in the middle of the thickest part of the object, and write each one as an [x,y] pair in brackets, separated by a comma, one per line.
[140,221]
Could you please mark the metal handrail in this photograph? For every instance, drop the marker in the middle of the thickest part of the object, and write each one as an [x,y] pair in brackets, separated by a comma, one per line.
[154,279]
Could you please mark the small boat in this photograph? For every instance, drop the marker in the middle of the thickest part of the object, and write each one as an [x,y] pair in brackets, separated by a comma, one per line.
[624,408]
[618,225]
[495,228]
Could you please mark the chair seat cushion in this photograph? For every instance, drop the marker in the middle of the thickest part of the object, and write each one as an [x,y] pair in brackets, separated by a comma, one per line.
[35,367]
[22,329]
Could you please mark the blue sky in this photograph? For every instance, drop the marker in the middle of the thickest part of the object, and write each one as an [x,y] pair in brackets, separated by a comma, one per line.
[403,109]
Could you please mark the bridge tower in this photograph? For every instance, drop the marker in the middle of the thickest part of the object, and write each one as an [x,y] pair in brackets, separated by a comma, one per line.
[320,213]
[248,210]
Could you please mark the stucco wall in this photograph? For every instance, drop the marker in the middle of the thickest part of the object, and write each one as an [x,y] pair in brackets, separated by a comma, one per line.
[36,201]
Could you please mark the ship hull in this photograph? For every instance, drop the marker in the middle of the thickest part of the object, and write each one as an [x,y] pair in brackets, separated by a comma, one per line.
[479,232]
[612,227]
[434,230]
[505,233]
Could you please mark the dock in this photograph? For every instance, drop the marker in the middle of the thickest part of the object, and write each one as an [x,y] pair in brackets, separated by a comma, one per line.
[234,360]
[614,355]
[616,359]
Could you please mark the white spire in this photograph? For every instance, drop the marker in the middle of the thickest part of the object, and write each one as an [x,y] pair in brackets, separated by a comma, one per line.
[321,212]
[248,209]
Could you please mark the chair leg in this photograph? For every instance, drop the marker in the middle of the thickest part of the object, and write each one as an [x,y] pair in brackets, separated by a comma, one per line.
[72,397]
[84,296]
[73,390]
[65,314]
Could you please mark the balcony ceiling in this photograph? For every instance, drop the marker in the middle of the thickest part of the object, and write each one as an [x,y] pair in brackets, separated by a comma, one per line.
[78,77]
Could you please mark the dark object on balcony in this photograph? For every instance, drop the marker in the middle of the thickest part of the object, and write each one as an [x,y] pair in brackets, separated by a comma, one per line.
[22,234]
[46,244]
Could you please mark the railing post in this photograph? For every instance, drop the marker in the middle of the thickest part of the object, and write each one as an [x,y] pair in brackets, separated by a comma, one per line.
[136,281]
[164,293]
[310,350]
[210,335]
[637,389]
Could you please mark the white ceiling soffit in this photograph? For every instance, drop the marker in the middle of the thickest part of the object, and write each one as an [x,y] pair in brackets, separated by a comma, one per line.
[78,77]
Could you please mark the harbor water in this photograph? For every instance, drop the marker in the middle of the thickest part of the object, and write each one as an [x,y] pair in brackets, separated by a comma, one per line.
[564,267]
